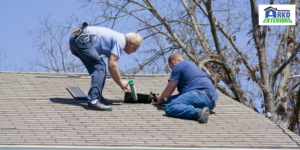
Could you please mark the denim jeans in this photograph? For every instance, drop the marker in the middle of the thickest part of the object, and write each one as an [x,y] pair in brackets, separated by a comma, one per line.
[187,105]
[95,65]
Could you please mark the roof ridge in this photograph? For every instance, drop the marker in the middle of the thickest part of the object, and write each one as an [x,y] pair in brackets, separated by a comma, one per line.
[72,73]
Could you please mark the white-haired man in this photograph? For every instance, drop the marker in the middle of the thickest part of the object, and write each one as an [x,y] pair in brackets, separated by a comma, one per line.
[91,42]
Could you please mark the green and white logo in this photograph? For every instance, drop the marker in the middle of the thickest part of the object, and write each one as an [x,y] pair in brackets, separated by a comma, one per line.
[277,15]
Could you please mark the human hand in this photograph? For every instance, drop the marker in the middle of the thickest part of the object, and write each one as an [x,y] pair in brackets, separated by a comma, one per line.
[159,100]
[125,86]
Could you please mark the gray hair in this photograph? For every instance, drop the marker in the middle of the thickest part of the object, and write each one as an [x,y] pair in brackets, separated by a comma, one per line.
[134,37]
[175,56]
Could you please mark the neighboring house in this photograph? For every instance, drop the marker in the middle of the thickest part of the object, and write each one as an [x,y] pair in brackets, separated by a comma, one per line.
[37,110]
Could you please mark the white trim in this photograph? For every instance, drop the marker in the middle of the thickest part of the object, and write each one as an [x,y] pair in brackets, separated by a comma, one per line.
[8,147]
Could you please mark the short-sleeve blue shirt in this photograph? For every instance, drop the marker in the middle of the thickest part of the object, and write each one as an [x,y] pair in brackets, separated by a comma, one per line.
[190,77]
[107,41]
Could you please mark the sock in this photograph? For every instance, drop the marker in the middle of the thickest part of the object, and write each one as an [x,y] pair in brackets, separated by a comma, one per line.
[94,101]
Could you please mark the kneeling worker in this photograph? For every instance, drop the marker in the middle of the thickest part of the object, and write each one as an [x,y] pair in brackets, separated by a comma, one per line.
[197,95]
[88,43]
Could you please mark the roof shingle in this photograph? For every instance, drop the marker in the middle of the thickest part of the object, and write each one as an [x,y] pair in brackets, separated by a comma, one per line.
[36,109]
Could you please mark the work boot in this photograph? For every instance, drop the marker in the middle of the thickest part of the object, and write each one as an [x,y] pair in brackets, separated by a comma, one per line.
[203,115]
[105,101]
[99,106]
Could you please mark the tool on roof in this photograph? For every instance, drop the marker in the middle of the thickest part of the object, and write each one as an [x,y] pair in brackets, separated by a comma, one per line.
[77,93]
[132,87]
[143,98]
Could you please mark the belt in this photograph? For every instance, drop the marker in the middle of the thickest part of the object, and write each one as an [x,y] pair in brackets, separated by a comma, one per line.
[210,97]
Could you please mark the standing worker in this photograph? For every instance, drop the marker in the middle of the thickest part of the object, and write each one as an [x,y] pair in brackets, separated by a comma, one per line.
[88,43]
[197,95]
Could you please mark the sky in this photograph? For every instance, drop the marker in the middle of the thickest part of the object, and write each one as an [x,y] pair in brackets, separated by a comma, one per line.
[18,17]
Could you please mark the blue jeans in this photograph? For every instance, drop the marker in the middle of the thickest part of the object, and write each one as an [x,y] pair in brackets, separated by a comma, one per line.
[188,104]
[95,65]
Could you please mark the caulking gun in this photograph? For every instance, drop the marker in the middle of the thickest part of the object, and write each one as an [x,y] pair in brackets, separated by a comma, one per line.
[132,87]
[133,92]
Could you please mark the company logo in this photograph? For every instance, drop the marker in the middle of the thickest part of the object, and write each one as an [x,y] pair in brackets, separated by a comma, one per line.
[277,15]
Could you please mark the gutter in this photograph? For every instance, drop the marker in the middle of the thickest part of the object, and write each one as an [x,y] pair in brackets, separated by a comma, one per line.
[8,147]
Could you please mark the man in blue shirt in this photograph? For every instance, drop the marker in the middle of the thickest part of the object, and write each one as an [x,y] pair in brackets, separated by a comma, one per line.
[88,43]
[197,95]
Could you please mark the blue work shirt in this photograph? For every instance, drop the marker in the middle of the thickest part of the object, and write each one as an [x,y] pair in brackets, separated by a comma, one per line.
[190,77]
[106,41]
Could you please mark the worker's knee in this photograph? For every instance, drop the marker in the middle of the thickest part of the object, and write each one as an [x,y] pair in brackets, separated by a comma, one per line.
[170,108]
[171,98]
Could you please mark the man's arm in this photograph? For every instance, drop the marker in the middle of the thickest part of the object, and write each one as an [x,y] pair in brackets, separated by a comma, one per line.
[167,92]
[114,72]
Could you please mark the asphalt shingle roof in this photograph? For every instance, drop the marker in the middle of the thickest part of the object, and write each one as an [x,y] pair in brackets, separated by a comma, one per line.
[36,109]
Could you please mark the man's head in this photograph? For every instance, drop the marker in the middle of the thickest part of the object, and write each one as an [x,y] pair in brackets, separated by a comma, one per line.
[175,58]
[133,42]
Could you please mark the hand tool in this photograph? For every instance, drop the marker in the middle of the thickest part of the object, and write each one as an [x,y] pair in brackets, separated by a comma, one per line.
[132,87]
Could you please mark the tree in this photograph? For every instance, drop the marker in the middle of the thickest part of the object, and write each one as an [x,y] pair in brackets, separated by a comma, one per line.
[294,97]
[53,47]
[153,65]
[222,38]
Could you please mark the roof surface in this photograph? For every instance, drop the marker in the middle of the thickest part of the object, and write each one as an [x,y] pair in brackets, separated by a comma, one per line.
[36,109]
